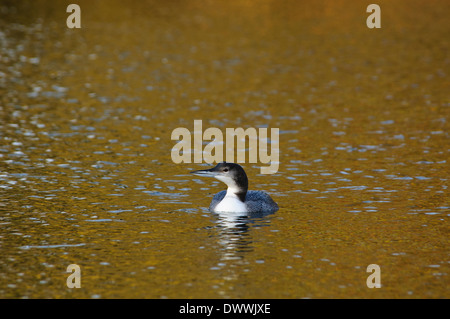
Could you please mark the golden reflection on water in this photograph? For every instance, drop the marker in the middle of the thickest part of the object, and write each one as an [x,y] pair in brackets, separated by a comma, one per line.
[86,175]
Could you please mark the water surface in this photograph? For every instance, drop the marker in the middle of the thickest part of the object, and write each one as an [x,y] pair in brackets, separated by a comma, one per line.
[86,175]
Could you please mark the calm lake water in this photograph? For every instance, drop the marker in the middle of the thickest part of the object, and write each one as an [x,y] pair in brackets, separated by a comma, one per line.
[86,175]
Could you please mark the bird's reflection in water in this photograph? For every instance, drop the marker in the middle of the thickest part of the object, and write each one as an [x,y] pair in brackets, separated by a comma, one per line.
[235,241]
[234,233]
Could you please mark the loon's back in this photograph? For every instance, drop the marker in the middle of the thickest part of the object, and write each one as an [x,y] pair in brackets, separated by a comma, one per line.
[255,202]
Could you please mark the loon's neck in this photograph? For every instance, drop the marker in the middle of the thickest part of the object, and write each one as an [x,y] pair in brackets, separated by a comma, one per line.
[237,192]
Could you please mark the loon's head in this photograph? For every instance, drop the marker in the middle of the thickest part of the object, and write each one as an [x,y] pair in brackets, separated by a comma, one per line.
[231,174]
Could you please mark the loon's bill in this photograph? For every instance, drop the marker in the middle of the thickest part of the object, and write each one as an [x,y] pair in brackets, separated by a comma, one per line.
[237,198]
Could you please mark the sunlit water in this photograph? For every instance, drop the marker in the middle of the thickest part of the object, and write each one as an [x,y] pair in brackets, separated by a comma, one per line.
[86,175]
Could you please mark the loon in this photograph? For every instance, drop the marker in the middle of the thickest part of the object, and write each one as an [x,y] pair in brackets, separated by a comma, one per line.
[237,198]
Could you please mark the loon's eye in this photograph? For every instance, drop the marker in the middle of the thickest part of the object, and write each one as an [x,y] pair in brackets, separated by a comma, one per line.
[225,170]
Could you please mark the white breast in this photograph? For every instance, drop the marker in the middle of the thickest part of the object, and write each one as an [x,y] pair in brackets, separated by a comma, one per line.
[230,204]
